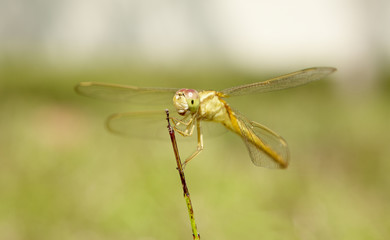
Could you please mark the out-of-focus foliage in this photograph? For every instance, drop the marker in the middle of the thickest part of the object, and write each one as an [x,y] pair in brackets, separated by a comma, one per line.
[63,176]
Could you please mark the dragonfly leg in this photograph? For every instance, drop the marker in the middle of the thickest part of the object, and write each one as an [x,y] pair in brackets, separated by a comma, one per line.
[187,132]
[177,121]
[199,148]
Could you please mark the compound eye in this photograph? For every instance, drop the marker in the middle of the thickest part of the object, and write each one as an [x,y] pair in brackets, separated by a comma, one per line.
[186,100]
[192,97]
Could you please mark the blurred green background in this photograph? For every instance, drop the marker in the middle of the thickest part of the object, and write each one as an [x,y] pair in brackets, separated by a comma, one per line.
[63,176]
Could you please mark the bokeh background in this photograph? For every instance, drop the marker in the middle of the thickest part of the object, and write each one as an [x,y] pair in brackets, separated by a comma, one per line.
[63,176]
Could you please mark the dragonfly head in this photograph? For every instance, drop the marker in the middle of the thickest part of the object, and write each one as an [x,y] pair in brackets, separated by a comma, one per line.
[186,100]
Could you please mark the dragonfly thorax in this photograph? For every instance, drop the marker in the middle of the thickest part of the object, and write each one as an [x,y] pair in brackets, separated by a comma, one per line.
[186,100]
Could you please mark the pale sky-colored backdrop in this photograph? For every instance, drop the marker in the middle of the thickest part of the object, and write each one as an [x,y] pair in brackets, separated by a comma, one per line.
[353,36]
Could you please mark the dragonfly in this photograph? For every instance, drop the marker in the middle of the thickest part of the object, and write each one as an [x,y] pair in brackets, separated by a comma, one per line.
[266,148]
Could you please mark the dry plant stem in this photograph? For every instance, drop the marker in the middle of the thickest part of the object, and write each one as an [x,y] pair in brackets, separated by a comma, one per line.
[195,233]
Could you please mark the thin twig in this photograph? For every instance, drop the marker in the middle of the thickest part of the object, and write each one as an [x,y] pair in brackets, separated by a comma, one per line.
[195,233]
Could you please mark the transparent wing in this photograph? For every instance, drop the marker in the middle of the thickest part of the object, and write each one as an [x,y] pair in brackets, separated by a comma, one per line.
[286,81]
[266,148]
[143,125]
[116,92]
[153,125]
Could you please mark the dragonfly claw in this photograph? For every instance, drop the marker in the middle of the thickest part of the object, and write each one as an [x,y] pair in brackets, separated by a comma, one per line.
[183,165]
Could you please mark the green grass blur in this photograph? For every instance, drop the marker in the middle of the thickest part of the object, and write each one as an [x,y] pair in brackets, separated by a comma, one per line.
[63,176]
